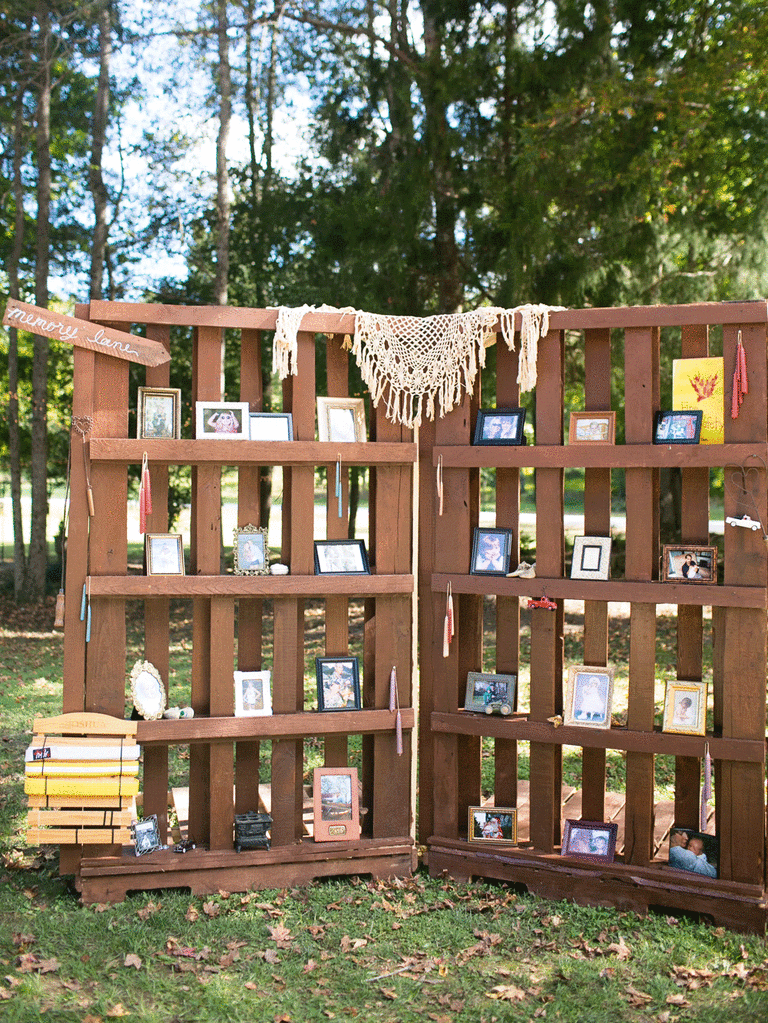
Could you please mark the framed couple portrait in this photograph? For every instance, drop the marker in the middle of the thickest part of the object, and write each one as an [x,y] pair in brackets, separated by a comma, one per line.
[497,426]
[689,564]
[251,555]
[594,841]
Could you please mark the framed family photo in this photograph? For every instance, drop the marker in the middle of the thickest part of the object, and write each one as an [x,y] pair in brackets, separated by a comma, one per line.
[594,841]
[335,804]
[271,425]
[499,426]
[491,551]
[338,683]
[677,427]
[341,420]
[689,564]
[341,557]
[222,420]
[158,415]
[588,696]
[492,824]
[591,557]
[164,553]
[253,694]
[251,554]
[490,694]
[685,708]
[592,428]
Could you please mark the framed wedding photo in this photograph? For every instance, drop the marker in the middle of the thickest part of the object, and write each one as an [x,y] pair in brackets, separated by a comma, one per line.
[594,841]
[588,696]
[499,426]
[592,428]
[492,824]
[341,557]
[336,804]
[338,683]
[689,564]
[591,557]
[677,427]
[491,551]
[253,694]
[490,694]
[250,550]
[158,413]
[164,553]
[271,425]
[685,708]
[341,420]
[222,420]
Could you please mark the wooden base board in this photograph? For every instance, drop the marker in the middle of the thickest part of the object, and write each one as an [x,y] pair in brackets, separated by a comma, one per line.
[107,879]
[740,907]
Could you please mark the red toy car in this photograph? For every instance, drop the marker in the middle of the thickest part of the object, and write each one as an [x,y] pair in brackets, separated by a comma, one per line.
[543,601]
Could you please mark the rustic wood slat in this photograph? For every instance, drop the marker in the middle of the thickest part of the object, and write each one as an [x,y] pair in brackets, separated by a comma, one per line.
[634,455]
[250,452]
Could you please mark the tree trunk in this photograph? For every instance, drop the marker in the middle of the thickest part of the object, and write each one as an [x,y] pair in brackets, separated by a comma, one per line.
[95,176]
[224,83]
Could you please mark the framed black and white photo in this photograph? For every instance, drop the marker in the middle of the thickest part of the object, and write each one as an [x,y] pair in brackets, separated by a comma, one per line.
[491,550]
[253,694]
[499,426]
[341,557]
[591,557]
[492,824]
[341,420]
[338,683]
[588,696]
[146,835]
[164,553]
[271,425]
[222,420]
[250,550]
[685,708]
[594,841]
[678,427]
[689,564]
[335,804]
[158,413]
[490,694]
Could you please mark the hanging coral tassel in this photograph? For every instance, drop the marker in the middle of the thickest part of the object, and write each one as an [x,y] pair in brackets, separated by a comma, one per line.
[145,495]
[742,359]
[448,625]
[740,381]
[706,789]
[735,396]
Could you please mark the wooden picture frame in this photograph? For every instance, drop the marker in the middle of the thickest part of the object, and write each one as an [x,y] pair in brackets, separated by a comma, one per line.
[490,694]
[336,804]
[592,428]
[677,427]
[341,557]
[685,708]
[492,824]
[338,683]
[499,426]
[164,553]
[341,420]
[251,552]
[158,413]
[269,426]
[222,420]
[491,551]
[588,696]
[253,694]
[591,557]
[592,841]
[689,564]
[147,691]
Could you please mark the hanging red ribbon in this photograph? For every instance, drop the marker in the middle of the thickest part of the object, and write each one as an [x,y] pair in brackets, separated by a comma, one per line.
[145,495]
[740,381]
[448,626]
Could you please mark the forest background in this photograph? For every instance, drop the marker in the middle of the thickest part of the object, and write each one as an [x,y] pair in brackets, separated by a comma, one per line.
[395,156]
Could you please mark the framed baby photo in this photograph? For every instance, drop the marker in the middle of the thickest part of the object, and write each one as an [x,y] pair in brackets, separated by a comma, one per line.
[490,694]
[222,420]
[164,553]
[336,804]
[591,557]
[158,415]
[492,824]
[251,554]
[253,694]
[271,425]
[594,841]
[588,696]
[341,557]
[592,428]
[677,427]
[499,426]
[689,564]
[341,420]
[685,708]
[338,683]
[491,551]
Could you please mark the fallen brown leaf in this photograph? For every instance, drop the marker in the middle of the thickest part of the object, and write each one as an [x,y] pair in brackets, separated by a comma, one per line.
[148,910]
[192,914]
[389,993]
[677,1000]
[132,960]
[309,966]
[281,936]
[211,909]
[620,949]
[637,998]
[506,993]
[348,944]
[117,1011]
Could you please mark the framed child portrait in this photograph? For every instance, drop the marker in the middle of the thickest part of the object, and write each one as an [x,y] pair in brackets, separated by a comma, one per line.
[491,551]
[490,694]
[341,420]
[338,683]
[336,804]
[253,694]
[164,553]
[588,696]
[497,426]
[250,551]
[594,841]
[685,708]
[492,824]
[158,415]
[222,420]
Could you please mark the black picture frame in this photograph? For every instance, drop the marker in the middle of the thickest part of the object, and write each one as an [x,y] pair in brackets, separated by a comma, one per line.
[484,559]
[499,426]
[677,427]
[341,557]
[338,683]
[146,835]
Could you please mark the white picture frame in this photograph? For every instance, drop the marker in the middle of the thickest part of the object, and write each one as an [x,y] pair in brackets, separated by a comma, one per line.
[591,557]
[253,694]
[222,420]
[269,426]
